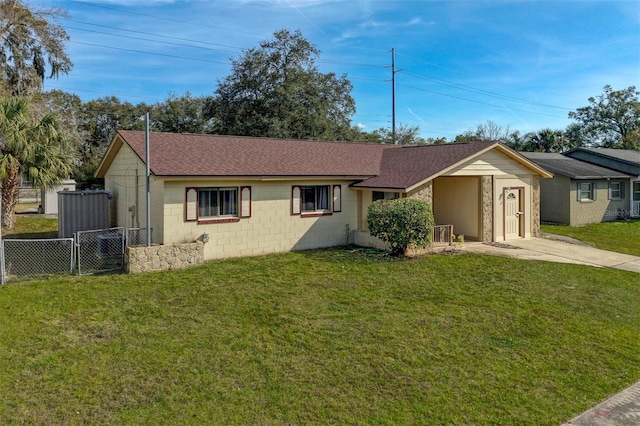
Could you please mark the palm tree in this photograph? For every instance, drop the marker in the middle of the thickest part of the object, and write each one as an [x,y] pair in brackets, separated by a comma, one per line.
[29,147]
[546,140]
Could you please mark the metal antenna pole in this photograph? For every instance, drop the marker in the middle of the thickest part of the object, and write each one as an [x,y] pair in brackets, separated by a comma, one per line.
[146,141]
[393,95]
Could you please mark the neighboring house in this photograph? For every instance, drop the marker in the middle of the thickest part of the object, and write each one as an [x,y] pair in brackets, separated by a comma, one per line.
[49,196]
[623,160]
[254,196]
[580,192]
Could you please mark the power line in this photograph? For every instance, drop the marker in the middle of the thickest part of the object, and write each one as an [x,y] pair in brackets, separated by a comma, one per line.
[480,102]
[149,53]
[162,18]
[329,61]
[481,91]
[145,33]
[150,40]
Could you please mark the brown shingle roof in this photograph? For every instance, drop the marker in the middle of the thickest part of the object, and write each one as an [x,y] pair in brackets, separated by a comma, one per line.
[402,168]
[379,166]
[175,154]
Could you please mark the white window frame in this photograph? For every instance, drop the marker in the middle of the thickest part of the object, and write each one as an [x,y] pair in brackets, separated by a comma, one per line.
[616,193]
[591,191]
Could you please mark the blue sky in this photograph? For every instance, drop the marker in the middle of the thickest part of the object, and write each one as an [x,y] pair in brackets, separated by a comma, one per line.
[522,64]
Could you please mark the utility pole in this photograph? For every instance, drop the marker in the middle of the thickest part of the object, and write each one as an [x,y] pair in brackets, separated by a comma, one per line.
[393,95]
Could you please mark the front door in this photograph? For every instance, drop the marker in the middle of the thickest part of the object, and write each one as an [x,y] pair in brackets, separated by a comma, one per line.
[512,213]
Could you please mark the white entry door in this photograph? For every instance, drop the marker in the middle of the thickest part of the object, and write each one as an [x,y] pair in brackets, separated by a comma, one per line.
[512,213]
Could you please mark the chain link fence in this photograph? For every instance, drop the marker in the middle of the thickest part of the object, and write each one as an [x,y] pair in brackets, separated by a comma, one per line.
[89,252]
[137,236]
[37,257]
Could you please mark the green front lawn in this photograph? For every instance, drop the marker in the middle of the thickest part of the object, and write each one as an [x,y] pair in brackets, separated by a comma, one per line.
[320,337]
[620,236]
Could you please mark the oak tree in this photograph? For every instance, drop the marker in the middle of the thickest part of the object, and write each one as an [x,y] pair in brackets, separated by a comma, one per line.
[276,90]
[31,46]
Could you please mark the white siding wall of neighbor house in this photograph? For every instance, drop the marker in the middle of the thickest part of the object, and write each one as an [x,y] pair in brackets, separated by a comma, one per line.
[270,229]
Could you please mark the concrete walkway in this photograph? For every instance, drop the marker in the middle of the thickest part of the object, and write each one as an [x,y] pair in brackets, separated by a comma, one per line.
[622,409]
[558,249]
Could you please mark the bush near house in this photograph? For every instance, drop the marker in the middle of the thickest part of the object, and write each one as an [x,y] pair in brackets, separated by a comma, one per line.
[401,222]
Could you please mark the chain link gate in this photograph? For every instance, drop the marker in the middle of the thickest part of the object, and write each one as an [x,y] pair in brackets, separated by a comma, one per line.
[100,251]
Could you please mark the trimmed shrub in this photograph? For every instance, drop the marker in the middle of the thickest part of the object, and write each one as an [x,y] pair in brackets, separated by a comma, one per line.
[401,222]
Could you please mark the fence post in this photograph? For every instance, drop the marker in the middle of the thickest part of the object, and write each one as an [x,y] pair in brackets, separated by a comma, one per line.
[3,275]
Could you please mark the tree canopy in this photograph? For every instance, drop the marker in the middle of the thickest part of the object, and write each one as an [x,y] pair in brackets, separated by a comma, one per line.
[277,91]
[405,135]
[29,40]
[612,119]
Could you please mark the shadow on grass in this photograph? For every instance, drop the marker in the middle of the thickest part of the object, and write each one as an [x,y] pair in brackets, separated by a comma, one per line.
[31,235]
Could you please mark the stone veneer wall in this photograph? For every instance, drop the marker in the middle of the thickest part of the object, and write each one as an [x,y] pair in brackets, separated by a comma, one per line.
[487,208]
[163,258]
[423,193]
[535,206]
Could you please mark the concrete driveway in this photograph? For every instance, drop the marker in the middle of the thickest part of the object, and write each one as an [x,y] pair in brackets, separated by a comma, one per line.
[558,249]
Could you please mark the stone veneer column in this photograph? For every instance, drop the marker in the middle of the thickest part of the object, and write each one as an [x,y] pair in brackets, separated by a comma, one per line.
[423,193]
[487,208]
[535,207]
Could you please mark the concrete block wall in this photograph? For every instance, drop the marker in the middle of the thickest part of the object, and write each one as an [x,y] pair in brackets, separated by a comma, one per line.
[270,229]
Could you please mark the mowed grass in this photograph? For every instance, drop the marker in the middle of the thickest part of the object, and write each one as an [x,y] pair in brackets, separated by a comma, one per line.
[28,226]
[320,337]
[622,236]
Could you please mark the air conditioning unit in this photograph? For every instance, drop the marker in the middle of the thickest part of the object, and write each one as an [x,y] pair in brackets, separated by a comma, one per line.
[110,244]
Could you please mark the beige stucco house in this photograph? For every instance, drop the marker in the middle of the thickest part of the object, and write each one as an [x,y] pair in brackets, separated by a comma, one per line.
[253,196]
[581,192]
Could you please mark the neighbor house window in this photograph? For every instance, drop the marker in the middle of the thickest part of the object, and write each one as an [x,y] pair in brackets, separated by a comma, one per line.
[203,204]
[616,190]
[586,191]
[636,191]
[316,199]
